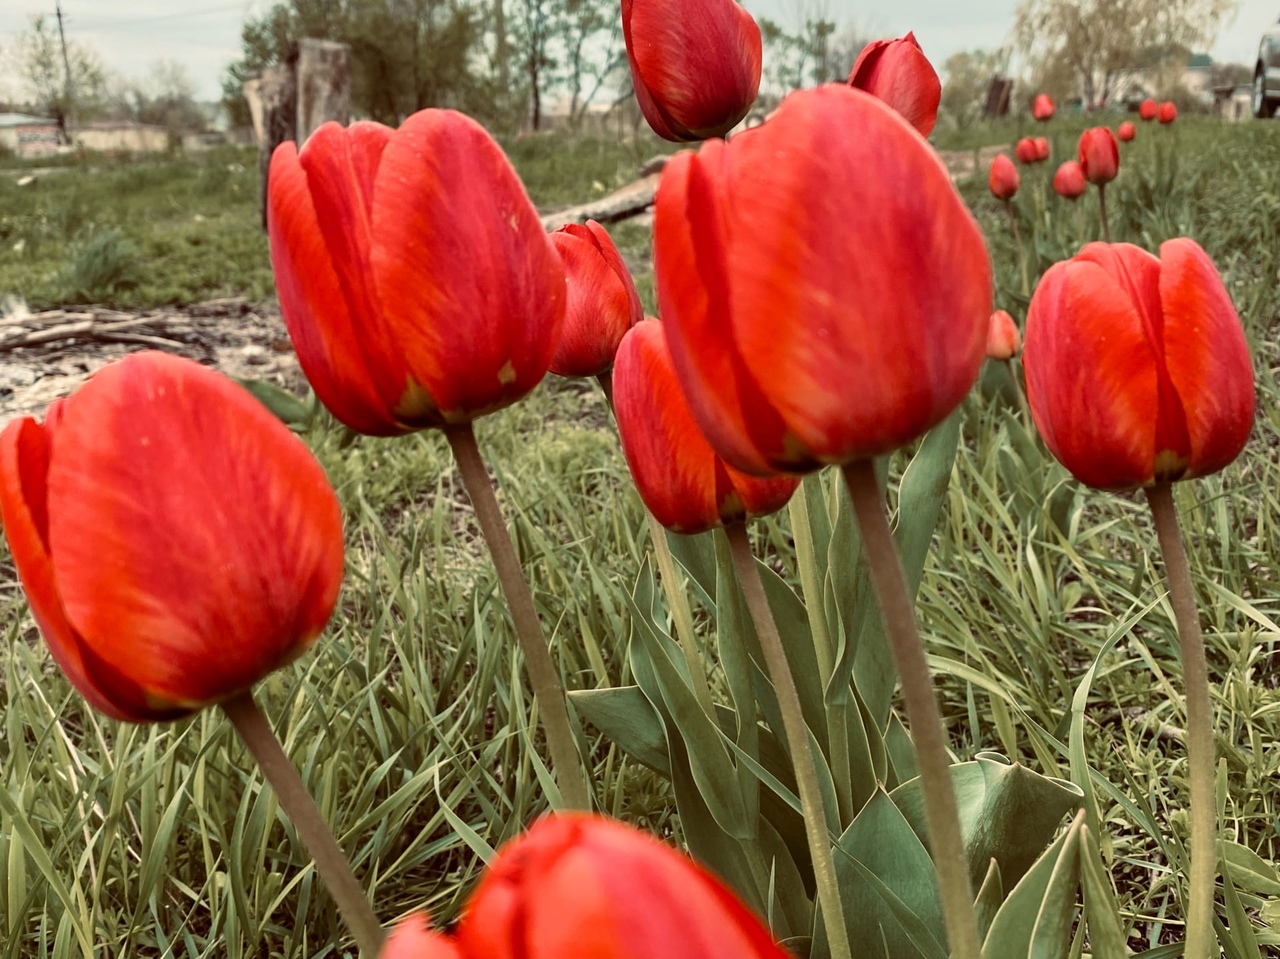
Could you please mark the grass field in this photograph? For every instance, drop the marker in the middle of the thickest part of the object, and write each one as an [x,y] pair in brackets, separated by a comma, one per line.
[408,718]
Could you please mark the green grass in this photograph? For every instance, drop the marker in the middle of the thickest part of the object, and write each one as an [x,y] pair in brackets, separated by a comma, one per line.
[408,719]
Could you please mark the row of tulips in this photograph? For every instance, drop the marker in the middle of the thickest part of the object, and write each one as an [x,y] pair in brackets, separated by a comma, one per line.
[1043,109]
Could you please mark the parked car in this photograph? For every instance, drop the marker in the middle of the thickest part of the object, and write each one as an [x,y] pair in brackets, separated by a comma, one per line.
[1266,75]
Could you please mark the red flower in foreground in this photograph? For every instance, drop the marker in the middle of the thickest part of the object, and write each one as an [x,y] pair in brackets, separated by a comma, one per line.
[176,542]
[1003,338]
[1148,109]
[1099,155]
[1003,178]
[1127,131]
[1042,108]
[1137,367]
[1168,112]
[833,336]
[603,302]
[695,64]
[898,72]
[1026,150]
[679,477]
[416,280]
[1069,180]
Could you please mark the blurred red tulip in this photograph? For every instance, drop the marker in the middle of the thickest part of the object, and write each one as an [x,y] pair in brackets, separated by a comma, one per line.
[176,542]
[1127,131]
[1042,108]
[416,280]
[603,302]
[1099,155]
[411,939]
[1042,148]
[1168,111]
[582,887]
[898,72]
[1069,180]
[1026,150]
[1148,109]
[782,262]
[1003,338]
[695,64]
[679,477]
[1137,367]
[1003,178]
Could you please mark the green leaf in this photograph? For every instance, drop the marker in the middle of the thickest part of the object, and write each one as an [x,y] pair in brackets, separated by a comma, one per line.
[1250,871]
[1240,938]
[987,903]
[1100,910]
[627,718]
[282,404]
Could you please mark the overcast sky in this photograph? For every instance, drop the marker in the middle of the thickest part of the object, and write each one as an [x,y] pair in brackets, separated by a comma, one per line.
[204,35]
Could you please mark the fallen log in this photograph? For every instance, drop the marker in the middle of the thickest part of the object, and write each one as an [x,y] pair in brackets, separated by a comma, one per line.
[632,199]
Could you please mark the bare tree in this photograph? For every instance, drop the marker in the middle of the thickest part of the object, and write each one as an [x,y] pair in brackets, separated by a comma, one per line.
[966,76]
[50,80]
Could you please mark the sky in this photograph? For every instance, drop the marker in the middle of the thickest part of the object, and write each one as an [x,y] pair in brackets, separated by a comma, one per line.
[204,35]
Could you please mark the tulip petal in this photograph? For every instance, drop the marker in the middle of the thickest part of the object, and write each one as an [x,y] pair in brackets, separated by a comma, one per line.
[898,72]
[195,541]
[598,311]
[609,250]
[412,939]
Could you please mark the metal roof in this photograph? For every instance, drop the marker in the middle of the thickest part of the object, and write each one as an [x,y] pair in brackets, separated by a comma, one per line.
[23,120]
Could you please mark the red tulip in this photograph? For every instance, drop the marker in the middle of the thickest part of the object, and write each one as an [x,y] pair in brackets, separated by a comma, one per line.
[1003,338]
[680,479]
[898,72]
[1148,109]
[1003,178]
[1137,368]
[695,64]
[603,302]
[411,939]
[1127,131]
[1069,180]
[176,542]
[1042,108]
[415,278]
[1042,148]
[816,310]
[1026,150]
[1099,155]
[581,887]
[1168,111]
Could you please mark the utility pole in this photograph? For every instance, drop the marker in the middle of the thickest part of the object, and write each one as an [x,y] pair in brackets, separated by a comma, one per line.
[66,66]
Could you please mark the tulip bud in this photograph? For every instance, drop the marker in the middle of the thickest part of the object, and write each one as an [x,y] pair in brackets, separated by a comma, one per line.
[1137,368]
[1026,150]
[1069,180]
[1003,338]
[1099,155]
[897,72]
[1168,112]
[603,302]
[1042,108]
[1042,149]
[1127,131]
[695,66]
[176,542]
[1003,178]
[1148,109]
[411,939]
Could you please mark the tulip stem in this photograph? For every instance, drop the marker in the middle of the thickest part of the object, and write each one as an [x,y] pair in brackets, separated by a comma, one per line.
[945,841]
[1102,206]
[1023,408]
[797,733]
[1195,678]
[1022,253]
[331,863]
[547,690]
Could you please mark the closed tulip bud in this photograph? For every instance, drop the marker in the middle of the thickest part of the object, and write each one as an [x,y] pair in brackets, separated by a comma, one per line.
[695,64]
[679,477]
[411,939]
[176,542]
[1069,181]
[603,302]
[1137,367]
[415,278]
[582,887]
[1168,112]
[797,339]
[1148,109]
[1026,150]
[898,72]
[1099,155]
[1042,149]
[1127,131]
[1042,108]
[1003,338]
[1003,178]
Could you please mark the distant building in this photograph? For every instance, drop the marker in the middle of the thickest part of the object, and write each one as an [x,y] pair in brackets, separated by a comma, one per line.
[1233,103]
[121,136]
[28,136]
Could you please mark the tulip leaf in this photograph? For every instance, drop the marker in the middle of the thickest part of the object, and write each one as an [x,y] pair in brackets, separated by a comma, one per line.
[1239,940]
[282,404]
[901,752]
[628,719]
[987,903]
[1100,910]
[699,557]
[1250,871]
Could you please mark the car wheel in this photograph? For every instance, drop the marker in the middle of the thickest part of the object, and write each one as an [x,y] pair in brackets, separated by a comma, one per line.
[1263,108]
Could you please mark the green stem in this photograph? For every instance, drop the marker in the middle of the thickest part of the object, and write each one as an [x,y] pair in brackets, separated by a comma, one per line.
[1017,239]
[537,659]
[1102,206]
[1195,678]
[797,733]
[1023,408]
[331,863]
[945,841]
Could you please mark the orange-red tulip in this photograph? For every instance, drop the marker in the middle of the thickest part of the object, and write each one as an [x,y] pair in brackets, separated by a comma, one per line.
[1003,338]
[176,542]
[1099,155]
[1026,150]
[1042,108]
[1127,131]
[816,311]
[1137,367]
[603,302]
[898,72]
[582,887]
[695,64]
[680,479]
[1069,180]
[416,280]
[1003,178]
[1042,148]
[1168,111]
[1148,109]
[411,939]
